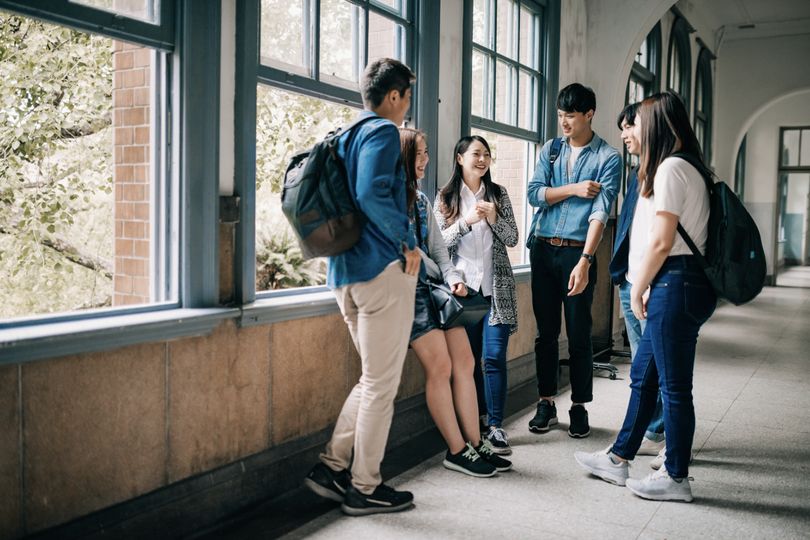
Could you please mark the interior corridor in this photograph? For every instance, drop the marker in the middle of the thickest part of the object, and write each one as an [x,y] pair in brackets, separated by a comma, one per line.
[751,465]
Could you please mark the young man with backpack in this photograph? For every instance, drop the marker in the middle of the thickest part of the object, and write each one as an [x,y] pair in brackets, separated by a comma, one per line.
[374,283]
[575,194]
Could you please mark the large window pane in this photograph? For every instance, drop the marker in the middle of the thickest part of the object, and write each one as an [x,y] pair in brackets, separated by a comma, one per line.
[284,31]
[385,38]
[507,20]
[699,91]
[79,226]
[480,85]
[481,22]
[285,125]
[805,155]
[393,5]
[505,91]
[342,34]
[643,56]
[527,98]
[529,31]
[790,147]
[144,10]
[675,70]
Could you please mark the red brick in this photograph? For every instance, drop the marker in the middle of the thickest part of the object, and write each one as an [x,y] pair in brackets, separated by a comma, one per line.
[134,116]
[118,80]
[140,97]
[141,211]
[118,154]
[142,58]
[133,267]
[141,173]
[123,247]
[133,192]
[130,46]
[142,135]
[122,98]
[123,60]
[133,78]
[123,210]
[134,154]
[119,265]
[118,117]
[140,248]
[134,300]
[123,136]
[118,46]
[124,174]
[118,190]
[122,284]
[140,286]
[119,228]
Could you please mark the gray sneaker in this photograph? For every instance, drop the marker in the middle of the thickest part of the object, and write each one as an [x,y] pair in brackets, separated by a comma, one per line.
[599,464]
[660,486]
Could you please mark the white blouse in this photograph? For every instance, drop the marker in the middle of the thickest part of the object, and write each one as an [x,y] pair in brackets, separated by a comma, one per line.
[475,248]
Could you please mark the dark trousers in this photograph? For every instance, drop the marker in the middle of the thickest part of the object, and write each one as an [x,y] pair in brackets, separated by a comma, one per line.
[551,271]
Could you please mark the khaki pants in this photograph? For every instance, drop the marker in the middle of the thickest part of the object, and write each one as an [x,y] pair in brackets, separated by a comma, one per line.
[380,315]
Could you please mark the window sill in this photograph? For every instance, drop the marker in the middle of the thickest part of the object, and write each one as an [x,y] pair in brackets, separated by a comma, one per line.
[23,344]
[288,307]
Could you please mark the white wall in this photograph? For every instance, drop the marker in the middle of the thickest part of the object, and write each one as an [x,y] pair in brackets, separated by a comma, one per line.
[450,67]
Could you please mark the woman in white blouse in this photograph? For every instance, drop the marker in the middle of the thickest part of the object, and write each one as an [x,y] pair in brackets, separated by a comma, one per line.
[475,215]
[670,291]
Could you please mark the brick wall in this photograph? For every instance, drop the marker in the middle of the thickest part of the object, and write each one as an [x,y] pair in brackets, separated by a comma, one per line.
[508,170]
[381,35]
[131,95]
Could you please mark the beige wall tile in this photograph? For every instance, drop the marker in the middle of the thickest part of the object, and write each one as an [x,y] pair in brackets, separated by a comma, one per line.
[522,342]
[219,404]
[94,431]
[10,520]
[309,374]
[413,377]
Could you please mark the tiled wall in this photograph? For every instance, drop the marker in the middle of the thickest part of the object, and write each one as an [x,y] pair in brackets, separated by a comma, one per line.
[105,427]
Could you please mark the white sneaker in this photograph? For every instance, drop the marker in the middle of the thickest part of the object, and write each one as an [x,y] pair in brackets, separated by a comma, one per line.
[599,464]
[659,460]
[650,448]
[659,486]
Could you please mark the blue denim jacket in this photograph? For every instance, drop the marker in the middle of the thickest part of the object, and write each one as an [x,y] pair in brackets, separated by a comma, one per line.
[621,247]
[373,160]
[571,218]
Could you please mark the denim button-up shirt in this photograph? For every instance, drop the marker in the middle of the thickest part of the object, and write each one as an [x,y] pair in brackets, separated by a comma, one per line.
[373,160]
[571,217]
[621,247]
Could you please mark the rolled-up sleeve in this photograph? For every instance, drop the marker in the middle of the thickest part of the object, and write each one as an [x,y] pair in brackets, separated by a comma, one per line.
[377,189]
[609,178]
[540,180]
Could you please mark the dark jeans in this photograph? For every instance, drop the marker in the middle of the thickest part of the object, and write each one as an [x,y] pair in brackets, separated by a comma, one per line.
[551,271]
[490,342]
[681,300]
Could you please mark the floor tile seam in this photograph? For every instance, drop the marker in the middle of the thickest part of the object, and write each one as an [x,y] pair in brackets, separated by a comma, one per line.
[748,490]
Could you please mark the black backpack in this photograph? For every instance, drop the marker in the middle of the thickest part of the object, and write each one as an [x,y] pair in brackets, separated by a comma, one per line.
[317,202]
[553,155]
[735,260]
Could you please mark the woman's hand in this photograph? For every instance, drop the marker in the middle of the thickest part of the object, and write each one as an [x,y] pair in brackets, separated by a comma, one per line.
[638,301]
[488,209]
[474,215]
[459,289]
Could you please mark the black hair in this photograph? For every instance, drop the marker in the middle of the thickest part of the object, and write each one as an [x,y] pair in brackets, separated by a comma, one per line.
[628,115]
[382,76]
[450,194]
[576,98]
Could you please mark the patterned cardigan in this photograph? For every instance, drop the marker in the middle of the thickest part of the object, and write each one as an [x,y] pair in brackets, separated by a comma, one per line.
[504,233]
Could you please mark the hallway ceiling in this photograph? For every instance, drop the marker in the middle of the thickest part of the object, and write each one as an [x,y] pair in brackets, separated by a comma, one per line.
[769,17]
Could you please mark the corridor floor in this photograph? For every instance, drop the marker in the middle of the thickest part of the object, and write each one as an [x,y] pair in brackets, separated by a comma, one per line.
[751,469]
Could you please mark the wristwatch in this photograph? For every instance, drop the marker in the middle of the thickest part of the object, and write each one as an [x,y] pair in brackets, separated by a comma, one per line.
[589,257]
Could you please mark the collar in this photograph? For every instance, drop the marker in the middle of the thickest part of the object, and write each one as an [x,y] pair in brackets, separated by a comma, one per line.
[465,186]
[594,145]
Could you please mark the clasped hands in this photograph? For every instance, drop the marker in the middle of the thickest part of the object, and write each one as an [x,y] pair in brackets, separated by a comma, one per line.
[481,210]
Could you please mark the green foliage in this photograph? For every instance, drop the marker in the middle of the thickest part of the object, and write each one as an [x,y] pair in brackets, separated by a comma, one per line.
[55,165]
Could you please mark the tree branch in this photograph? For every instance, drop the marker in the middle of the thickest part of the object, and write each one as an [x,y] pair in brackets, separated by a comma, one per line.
[87,129]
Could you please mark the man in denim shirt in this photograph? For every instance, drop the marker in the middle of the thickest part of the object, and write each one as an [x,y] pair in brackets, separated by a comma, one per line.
[375,286]
[575,196]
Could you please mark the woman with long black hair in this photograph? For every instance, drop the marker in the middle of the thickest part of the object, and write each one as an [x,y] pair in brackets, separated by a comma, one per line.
[477,223]
[671,292]
[445,355]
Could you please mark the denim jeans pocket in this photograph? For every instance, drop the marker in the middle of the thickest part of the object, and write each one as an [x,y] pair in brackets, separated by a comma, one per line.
[698,302]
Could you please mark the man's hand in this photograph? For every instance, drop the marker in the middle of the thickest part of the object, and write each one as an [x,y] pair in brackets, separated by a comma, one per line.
[579,277]
[412,261]
[459,289]
[488,210]
[638,301]
[586,190]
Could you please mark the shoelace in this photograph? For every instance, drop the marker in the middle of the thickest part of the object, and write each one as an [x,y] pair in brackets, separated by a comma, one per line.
[499,434]
[470,453]
[485,449]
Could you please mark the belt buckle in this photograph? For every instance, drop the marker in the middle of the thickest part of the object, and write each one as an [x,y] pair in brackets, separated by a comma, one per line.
[556,241]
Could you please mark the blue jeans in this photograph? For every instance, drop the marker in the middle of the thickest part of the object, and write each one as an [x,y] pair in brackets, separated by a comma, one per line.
[681,301]
[490,342]
[635,328]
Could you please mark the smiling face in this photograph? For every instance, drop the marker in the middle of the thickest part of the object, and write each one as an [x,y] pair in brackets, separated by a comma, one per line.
[575,125]
[630,140]
[421,159]
[475,161]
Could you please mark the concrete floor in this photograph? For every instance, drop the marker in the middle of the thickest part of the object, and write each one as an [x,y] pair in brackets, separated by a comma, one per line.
[751,470]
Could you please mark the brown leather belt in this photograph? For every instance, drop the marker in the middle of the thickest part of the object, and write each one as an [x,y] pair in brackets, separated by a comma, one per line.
[561,241]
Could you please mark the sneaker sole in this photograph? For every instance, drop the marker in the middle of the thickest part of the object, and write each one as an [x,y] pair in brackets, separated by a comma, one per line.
[503,469]
[351,511]
[501,451]
[322,491]
[538,429]
[617,480]
[579,435]
[458,468]
[663,497]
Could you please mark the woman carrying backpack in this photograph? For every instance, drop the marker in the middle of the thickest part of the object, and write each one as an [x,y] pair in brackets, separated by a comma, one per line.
[445,355]
[475,215]
[671,291]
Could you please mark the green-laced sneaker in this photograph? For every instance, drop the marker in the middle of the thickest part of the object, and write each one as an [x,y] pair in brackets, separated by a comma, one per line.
[468,461]
[488,454]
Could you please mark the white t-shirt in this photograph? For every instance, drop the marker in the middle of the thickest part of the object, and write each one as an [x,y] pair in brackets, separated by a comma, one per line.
[680,190]
[572,158]
[475,248]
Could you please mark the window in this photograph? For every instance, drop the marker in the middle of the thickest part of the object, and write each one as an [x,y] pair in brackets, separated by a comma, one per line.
[85,227]
[312,55]
[680,61]
[703,103]
[794,179]
[644,80]
[505,94]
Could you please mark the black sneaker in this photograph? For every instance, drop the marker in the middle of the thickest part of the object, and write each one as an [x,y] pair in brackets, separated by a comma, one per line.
[497,439]
[487,454]
[579,422]
[384,499]
[469,462]
[328,483]
[546,416]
